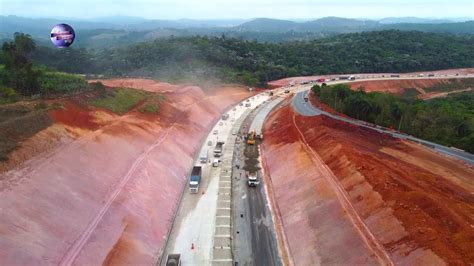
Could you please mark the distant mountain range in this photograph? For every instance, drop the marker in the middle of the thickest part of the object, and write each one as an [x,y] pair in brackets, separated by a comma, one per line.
[118,30]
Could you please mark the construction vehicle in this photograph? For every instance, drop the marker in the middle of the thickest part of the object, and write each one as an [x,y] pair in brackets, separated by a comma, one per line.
[251,138]
[253,180]
[195,179]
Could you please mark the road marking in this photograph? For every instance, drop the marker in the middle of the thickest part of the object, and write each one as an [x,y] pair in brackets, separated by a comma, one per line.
[244,196]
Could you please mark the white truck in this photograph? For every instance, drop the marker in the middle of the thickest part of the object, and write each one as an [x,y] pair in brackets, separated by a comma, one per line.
[203,157]
[218,149]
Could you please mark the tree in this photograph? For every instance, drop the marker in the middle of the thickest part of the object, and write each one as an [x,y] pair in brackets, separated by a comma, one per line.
[19,72]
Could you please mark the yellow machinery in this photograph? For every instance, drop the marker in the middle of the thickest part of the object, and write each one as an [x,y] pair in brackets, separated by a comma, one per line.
[251,138]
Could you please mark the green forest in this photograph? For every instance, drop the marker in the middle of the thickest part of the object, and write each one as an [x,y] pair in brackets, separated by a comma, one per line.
[30,71]
[253,63]
[448,121]
[20,77]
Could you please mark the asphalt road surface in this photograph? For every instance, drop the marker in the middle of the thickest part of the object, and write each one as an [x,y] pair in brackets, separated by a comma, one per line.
[307,109]
[254,236]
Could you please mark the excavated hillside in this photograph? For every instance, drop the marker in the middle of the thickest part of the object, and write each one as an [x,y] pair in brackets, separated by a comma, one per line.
[398,86]
[102,188]
[350,195]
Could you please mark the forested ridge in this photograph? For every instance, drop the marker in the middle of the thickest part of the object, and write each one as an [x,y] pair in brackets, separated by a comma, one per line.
[252,63]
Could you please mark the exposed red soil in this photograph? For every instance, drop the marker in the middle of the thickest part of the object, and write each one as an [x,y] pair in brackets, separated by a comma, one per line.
[108,196]
[418,204]
[396,86]
[317,228]
[74,116]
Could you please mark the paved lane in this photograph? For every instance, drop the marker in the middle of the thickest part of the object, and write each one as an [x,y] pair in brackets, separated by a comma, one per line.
[307,109]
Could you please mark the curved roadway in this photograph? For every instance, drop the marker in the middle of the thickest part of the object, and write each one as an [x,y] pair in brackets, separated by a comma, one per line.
[308,109]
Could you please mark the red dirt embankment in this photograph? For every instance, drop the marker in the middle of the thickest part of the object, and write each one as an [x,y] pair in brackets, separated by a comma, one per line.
[108,195]
[418,205]
[397,86]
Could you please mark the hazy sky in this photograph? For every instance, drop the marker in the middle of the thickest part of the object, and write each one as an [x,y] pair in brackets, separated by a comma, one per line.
[174,9]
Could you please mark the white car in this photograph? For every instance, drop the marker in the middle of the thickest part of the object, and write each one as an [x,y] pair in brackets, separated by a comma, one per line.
[215,132]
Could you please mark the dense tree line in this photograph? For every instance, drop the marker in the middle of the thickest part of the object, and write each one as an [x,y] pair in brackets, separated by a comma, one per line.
[251,62]
[19,76]
[448,121]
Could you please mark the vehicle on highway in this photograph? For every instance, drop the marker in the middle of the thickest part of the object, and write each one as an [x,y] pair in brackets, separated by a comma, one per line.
[321,80]
[203,157]
[173,260]
[195,179]
[395,76]
[253,180]
[215,132]
[303,82]
[287,91]
[234,132]
[225,116]
[241,104]
[420,75]
[431,75]
[343,77]
[218,149]
[352,77]
[306,99]
[209,143]
[247,105]
[221,123]
[215,163]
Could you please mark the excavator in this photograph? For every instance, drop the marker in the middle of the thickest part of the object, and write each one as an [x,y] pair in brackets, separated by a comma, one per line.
[251,138]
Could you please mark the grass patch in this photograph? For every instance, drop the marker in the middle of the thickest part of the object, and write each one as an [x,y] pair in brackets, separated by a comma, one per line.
[151,108]
[58,83]
[121,100]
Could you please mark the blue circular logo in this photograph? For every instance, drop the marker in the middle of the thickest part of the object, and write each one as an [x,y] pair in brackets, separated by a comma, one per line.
[62,35]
